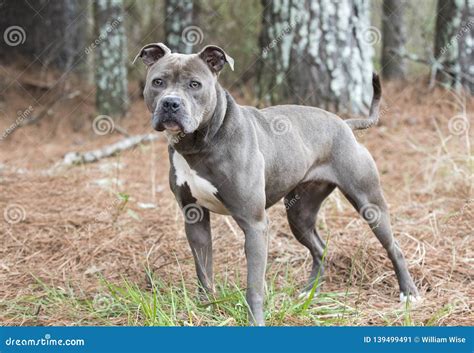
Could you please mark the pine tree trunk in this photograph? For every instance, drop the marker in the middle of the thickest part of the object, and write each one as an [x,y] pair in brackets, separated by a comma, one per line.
[180,34]
[393,39]
[317,53]
[48,32]
[454,43]
[110,58]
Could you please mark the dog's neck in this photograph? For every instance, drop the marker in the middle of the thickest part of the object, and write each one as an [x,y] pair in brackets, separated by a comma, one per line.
[204,136]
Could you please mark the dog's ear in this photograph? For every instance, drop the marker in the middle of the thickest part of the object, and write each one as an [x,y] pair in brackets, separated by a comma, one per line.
[151,53]
[216,58]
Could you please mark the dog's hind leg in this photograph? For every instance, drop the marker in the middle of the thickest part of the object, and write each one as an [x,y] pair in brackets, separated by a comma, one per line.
[302,206]
[360,183]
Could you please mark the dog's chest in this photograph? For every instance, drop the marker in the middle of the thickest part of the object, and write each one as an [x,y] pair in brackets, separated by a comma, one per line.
[201,189]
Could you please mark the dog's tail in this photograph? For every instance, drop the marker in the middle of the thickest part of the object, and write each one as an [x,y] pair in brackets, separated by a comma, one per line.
[360,124]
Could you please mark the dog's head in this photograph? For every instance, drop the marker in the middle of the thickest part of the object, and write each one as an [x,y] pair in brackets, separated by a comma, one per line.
[180,89]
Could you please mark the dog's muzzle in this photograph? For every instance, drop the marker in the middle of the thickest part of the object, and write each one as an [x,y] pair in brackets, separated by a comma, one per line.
[168,114]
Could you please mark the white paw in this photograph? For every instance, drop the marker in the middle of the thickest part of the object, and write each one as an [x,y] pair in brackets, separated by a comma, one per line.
[304,295]
[410,298]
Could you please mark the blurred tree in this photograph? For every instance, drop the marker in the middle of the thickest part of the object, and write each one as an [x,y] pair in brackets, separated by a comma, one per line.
[454,43]
[180,36]
[393,39]
[49,32]
[317,53]
[110,58]
[238,34]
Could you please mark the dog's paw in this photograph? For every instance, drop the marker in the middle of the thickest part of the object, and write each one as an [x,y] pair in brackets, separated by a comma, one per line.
[410,298]
[304,294]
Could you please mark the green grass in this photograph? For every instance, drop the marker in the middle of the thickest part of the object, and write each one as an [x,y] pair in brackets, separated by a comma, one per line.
[174,304]
[177,304]
[165,303]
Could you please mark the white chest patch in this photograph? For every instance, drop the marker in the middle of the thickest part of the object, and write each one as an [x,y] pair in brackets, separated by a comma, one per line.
[201,189]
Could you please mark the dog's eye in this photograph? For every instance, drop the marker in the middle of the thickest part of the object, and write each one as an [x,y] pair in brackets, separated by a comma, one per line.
[157,82]
[194,84]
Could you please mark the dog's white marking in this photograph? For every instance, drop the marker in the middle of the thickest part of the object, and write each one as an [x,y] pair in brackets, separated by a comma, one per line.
[411,298]
[201,189]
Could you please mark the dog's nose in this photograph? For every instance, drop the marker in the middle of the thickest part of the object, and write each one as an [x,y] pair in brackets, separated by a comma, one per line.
[171,104]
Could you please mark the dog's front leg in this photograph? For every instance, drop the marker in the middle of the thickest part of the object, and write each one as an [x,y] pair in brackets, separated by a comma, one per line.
[256,246]
[198,232]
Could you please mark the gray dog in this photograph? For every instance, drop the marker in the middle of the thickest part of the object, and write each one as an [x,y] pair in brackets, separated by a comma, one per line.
[238,160]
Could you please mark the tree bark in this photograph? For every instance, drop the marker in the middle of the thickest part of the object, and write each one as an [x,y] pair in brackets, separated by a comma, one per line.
[110,58]
[393,39]
[454,43]
[317,53]
[181,36]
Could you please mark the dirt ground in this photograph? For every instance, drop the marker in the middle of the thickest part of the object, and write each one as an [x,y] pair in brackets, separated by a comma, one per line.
[67,228]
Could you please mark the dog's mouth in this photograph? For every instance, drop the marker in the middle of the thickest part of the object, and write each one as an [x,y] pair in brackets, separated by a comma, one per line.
[172,126]
[173,123]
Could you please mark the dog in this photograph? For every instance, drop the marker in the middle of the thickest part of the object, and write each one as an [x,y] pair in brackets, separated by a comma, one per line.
[239,161]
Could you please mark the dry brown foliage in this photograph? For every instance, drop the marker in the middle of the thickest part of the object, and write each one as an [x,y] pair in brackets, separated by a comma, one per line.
[74,228]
